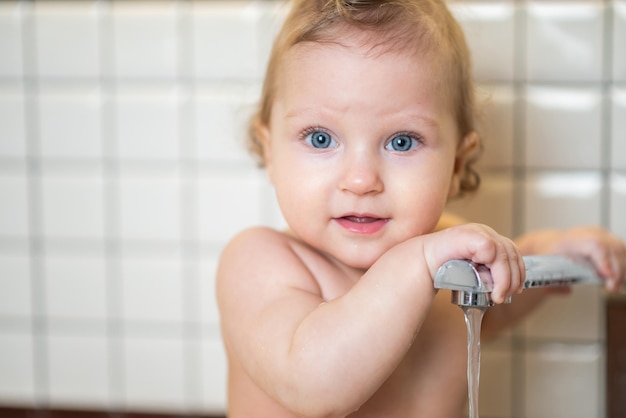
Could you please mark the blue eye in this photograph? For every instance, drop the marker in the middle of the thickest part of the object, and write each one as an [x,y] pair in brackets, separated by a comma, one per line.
[320,139]
[401,143]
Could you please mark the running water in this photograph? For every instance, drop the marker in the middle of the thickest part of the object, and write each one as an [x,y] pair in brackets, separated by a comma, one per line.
[473,320]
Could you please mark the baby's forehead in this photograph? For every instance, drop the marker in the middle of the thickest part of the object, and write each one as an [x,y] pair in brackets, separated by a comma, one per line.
[328,79]
[367,49]
[372,46]
[374,42]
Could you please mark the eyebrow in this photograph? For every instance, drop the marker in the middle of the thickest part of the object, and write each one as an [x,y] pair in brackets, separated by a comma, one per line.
[426,119]
[315,111]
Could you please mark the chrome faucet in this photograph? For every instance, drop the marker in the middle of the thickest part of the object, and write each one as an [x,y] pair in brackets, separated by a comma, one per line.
[471,284]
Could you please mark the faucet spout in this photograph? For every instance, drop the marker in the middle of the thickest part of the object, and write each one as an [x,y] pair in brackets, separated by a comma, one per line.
[471,284]
[464,275]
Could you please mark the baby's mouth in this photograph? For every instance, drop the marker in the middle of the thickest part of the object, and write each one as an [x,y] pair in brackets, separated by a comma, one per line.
[361,219]
[362,224]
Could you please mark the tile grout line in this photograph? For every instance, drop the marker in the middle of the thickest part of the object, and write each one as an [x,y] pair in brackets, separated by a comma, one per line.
[605,201]
[114,334]
[519,176]
[191,335]
[39,329]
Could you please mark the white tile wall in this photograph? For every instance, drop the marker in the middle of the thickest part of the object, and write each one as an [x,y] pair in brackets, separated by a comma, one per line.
[70,121]
[123,172]
[618,128]
[562,317]
[619,32]
[14,200]
[66,39]
[220,122]
[496,191]
[150,206]
[497,127]
[147,122]
[74,287]
[213,376]
[240,57]
[489,28]
[78,371]
[17,385]
[11,39]
[145,39]
[550,197]
[564,36]
[154,373]
[496,381]
[225,206]
[618,202]
[152,289]
[209,313]
[72,207]
[554,385]
[15,286]
[563,127]
[12,128]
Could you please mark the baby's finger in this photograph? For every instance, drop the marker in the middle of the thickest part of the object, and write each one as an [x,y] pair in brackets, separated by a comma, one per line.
[618,264]
[508,272]
[517,268]
[600,257]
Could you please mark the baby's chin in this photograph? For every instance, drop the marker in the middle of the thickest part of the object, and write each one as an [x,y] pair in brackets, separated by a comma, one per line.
[361,262]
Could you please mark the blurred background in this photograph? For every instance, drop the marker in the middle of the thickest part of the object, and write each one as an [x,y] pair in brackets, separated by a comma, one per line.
[123,173]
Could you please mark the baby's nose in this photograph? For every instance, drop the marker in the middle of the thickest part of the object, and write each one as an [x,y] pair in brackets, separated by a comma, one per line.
[361,175]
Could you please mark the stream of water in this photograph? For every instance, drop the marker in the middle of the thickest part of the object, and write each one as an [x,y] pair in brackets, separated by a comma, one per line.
[473,320]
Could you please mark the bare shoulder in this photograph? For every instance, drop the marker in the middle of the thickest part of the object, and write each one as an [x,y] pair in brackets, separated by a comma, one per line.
[259,246]
[261,261]
[254,249]
[255,242]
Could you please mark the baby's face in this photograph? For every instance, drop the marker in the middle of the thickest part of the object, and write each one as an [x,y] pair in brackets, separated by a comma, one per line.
[360,149]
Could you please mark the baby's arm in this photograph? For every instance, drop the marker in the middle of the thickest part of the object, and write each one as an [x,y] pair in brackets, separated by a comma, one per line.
[320,356]
[606,252]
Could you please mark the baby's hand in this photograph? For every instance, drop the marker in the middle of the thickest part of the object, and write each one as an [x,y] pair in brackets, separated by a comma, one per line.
[604,250]
[482,245]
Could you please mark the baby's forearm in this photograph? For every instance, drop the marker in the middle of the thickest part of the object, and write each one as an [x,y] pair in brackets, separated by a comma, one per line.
[344,350]
[538,242]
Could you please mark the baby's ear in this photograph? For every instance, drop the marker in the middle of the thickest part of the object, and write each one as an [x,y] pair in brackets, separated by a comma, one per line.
[263,135]
[467,147]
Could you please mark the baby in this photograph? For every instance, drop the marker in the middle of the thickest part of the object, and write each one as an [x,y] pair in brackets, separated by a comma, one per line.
[366,128]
